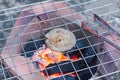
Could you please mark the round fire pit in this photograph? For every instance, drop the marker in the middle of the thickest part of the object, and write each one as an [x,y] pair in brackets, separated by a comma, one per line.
[82,55]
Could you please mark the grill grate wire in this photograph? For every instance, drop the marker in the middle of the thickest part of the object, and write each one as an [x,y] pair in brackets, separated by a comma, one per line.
[88,7]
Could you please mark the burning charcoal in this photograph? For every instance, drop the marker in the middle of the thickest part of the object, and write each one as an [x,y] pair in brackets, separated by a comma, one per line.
[45,56]
[75,55]
[65,66]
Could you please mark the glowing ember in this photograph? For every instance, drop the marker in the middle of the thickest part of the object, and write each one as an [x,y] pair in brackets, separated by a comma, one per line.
[46,56]
[75,57]
[57,75]
[53,75]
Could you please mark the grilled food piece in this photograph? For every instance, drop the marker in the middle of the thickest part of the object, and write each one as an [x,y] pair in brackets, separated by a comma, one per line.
[60,39]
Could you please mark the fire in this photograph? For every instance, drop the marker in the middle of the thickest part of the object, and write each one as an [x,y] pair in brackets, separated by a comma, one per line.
[73,74]
[75,57]
[57,75]
[46,56]
[53,75]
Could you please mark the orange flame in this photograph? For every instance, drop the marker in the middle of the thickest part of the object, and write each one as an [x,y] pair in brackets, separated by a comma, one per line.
[75,57]
[73,74]
[46,56]
[56,75]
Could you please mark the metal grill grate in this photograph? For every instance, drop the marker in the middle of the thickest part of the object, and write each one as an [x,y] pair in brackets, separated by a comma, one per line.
[107,59]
